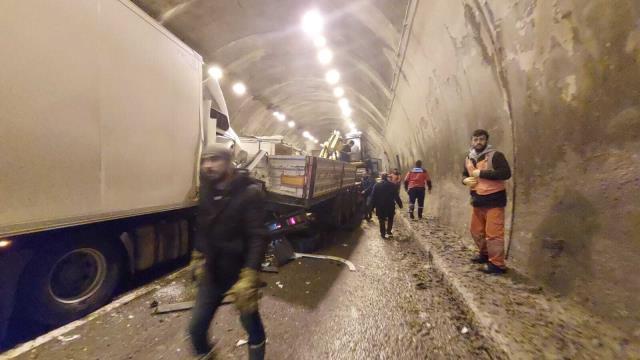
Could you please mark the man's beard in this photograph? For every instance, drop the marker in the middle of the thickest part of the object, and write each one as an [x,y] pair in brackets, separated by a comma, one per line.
[211,176]
[479,148]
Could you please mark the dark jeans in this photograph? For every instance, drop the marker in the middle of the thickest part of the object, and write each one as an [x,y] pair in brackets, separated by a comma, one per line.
[416,194]
[386,224]
[368,209]
[210,295]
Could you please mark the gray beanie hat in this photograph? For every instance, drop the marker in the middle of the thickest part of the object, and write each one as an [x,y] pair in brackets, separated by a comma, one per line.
[217,150]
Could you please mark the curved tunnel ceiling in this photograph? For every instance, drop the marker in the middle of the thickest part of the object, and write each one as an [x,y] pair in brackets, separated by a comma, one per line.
[554,82]
[262,44]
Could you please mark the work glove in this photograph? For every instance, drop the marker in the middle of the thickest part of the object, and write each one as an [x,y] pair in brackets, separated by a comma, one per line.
[471,182]
[475,173]
[245,291]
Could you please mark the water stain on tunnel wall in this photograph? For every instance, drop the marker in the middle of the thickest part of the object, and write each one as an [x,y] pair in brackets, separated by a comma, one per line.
[557,84]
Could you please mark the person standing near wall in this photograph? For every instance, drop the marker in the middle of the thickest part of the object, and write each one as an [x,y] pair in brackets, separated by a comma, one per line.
[485,173]
[415,183]
[384,199]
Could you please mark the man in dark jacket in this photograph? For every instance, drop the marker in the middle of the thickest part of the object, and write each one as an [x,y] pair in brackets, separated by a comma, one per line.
[232,237]
[384,199]
[367,187]
[485,173]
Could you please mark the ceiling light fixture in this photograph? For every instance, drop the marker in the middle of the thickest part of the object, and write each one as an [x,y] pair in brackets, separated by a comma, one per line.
[239,88]
[343,103]
[346,111]
[291,123]
[325,56]
[338,92]
[332,76]
[312,22]
[320,41]
[306,134]
[215,72]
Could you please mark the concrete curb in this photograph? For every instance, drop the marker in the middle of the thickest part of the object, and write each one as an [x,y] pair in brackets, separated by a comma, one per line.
[483,320]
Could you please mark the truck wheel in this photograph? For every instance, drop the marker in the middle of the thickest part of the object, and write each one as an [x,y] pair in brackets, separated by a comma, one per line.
[70,280]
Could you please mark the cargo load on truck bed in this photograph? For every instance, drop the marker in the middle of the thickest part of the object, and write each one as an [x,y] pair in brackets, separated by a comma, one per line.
[303,180]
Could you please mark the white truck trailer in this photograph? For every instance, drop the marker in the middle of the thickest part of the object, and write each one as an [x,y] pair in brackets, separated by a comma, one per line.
[100,133]
[102,120]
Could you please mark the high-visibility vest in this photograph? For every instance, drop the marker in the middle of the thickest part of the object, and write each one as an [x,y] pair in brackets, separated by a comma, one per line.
[417,178]
[485,186]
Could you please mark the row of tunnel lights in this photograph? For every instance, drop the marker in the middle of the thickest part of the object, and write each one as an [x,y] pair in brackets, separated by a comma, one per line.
[313,25]
[240,89]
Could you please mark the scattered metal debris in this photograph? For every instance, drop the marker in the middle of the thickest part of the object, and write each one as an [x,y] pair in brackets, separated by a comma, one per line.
[68,338]
[242,342]
[181,306]
[326,257]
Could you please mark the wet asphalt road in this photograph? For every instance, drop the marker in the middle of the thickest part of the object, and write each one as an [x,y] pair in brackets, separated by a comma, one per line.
[395,306]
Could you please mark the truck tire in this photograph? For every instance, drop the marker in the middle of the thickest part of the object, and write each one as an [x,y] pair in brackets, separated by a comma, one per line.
[71,279]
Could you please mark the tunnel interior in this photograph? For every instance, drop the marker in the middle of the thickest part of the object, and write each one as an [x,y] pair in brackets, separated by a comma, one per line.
[555,83]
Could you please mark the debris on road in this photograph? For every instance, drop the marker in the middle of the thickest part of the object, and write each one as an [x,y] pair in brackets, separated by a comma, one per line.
[68,338]
[326,257]
[167,308]
[269,269]
[181,306]
[241,342]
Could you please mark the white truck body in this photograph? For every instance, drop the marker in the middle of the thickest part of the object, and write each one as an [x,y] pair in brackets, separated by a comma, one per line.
[99,114]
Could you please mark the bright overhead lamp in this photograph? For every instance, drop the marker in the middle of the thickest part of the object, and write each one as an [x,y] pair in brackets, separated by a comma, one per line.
[312,22]
[215,72]
[280,116]
[315,141]
[332,76]
[291,123]
[320,41]
[346,111]
[338,92]
[239,88]
[306,134]
[325,56]
[343,103]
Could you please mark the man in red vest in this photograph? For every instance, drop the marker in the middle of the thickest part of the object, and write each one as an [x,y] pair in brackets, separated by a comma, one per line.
[415,183]
[485,173]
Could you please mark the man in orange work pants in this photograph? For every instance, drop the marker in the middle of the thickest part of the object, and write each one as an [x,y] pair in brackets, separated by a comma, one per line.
[485,173]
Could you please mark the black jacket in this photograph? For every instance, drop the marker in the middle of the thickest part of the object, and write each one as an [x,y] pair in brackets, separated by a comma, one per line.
[384,198]
[367,185]
[230,224]
[501,171]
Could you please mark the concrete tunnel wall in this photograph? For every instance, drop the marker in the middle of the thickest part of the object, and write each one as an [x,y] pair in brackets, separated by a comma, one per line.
[557,85]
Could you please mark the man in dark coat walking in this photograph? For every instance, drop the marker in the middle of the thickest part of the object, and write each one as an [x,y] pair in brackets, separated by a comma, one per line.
[232,236]
[384,199]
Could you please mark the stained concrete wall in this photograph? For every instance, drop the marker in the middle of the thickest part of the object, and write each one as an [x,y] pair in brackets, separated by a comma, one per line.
[557,84]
